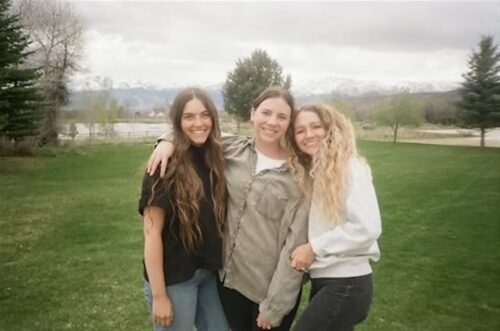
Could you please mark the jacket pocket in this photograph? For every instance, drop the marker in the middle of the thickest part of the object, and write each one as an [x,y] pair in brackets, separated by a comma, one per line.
[272,204]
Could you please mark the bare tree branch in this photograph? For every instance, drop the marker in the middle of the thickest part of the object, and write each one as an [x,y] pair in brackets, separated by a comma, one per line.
[57,34]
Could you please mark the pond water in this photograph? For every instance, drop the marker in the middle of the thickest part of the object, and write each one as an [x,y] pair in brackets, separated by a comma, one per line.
[120,129]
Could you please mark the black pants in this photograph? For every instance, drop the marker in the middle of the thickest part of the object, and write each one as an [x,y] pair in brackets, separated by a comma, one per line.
[241,313]
[337,304]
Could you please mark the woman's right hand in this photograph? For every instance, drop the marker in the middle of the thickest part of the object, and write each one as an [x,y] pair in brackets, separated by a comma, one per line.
[160,156]
[302,257]
[163,311]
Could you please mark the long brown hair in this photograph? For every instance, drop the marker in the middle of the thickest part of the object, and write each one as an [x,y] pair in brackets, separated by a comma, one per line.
[182,181]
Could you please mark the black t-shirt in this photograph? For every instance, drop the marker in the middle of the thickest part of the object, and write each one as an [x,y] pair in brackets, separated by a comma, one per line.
[180,265]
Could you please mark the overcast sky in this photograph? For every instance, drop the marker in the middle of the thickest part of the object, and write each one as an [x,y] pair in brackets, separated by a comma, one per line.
[176,43]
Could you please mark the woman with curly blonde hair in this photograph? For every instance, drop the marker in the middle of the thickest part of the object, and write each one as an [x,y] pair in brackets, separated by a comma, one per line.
[344,219]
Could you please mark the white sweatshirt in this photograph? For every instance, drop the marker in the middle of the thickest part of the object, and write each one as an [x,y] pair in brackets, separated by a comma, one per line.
[345,250]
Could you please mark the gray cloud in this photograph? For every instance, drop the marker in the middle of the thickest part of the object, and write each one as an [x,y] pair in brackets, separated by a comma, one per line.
[412,26]
[201,38]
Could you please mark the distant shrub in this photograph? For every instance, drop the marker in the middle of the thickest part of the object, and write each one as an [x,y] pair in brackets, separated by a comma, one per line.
[368,126]
[26,147]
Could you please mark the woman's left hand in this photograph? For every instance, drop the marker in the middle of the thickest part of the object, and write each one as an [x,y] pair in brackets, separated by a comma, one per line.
[302,257]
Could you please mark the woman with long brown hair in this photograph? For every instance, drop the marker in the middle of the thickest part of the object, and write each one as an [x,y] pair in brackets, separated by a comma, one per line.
[184,214]
[344,220]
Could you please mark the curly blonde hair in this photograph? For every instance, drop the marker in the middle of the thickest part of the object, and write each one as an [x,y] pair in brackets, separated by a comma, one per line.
[324,176]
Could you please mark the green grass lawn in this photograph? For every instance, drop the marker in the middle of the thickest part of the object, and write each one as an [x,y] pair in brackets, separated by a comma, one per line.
[71,239]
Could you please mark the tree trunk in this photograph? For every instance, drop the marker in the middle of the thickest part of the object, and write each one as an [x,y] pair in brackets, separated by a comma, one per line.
[483,131]
[395,133]
[49,130]
[238,122]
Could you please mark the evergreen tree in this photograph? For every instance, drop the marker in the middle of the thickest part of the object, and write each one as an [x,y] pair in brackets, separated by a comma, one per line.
[480,92]
[250,77]
[19,99]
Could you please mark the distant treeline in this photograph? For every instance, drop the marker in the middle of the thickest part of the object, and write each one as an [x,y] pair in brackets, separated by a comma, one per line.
[436,107]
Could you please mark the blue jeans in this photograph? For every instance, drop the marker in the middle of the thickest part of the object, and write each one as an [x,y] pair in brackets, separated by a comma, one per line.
[196,303]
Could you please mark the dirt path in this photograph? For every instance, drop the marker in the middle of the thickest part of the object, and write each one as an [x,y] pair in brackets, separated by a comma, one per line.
[492,138]
[470,141]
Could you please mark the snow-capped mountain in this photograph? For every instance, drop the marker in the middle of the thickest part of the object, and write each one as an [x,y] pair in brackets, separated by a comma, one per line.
[349,87]
[144,96]
[138,96]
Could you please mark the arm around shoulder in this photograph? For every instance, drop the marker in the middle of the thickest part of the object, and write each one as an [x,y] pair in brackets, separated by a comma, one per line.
[164,148]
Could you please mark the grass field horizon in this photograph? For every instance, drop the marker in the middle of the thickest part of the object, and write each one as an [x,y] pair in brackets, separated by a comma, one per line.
[71,242]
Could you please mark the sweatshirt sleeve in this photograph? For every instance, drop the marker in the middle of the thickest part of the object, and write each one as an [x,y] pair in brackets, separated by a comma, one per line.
[362,226]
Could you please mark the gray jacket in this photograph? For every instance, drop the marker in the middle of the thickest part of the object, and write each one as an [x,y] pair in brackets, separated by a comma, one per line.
[266,220]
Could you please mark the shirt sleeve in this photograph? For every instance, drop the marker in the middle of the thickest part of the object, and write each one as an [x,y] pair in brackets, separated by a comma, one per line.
[362,226]
[233,144]
[167,135]
[154,193]
[286,281]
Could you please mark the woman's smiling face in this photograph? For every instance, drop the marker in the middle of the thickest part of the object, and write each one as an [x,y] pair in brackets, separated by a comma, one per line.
[271,120]
[196,122]
[309,132]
